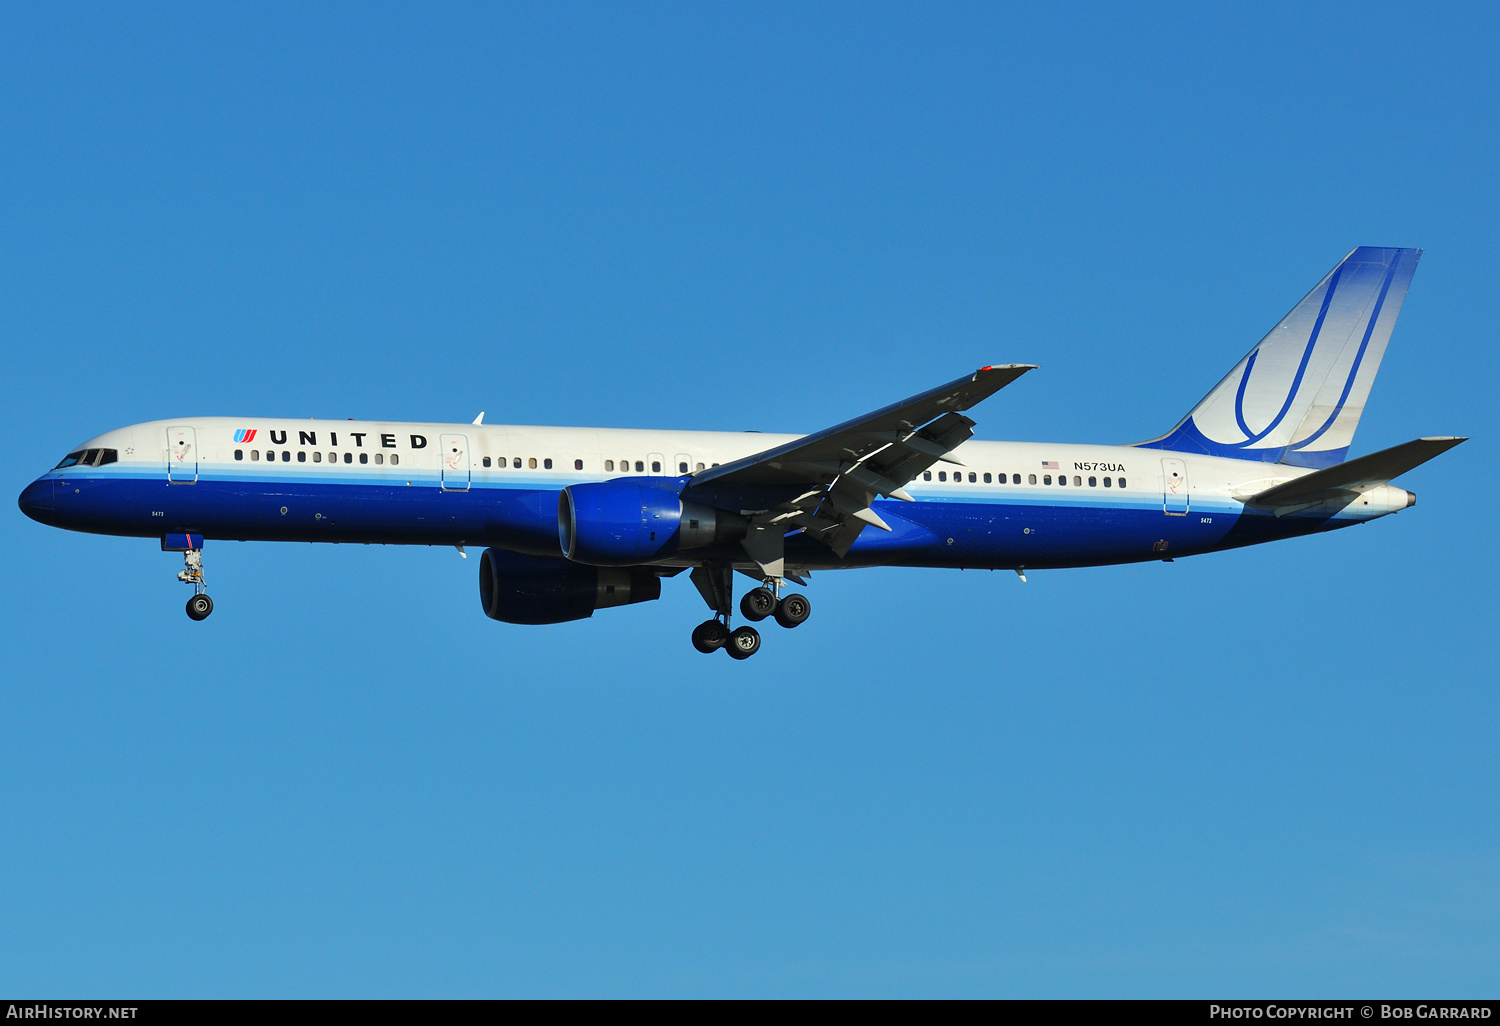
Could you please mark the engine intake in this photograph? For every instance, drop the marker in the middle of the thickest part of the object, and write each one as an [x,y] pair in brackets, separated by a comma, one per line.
[629,521]
[532,589]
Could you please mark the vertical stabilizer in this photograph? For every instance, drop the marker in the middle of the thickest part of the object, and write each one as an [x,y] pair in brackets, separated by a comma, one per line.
[1298,395]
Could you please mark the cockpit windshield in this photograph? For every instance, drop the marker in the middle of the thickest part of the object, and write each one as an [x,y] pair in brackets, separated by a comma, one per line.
[89,458]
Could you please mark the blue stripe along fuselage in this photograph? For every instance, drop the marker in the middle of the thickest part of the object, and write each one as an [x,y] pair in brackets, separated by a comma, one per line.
[969,527]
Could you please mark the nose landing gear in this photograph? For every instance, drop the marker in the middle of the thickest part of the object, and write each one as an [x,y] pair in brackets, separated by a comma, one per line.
[200,605]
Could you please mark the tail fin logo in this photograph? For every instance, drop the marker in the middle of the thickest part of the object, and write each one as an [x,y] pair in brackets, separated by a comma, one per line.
[1298,396]
[245,435]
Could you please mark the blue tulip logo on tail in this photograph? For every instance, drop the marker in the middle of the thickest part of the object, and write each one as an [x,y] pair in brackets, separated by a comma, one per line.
[1297,397]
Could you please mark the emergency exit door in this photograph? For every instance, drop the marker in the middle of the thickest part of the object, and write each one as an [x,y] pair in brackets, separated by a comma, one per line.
[453,453]
[182,455]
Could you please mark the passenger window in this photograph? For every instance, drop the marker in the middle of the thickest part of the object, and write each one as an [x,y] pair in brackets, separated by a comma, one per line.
[486,461]
[1093,482]
[1031,479]
[317,457]
[700,466]
[578,464]
[379,458]
[1016,479]
[942,475]
[609,465]
[682,468]
[364,457]
[926,475]
[1106,482]
[1046,479]
[333,457]
[1077,481]
[301,455]
[1122,482]
[986,477]
[531,463]
[656,466]
[239,454]
[515,464]
[395,459]
[973,478]
[547,464]
[640,468]
[254,455]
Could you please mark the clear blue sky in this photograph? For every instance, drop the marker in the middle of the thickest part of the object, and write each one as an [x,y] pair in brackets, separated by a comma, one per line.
[1266,772]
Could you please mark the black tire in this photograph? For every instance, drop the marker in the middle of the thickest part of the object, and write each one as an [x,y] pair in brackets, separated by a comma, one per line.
[793,610]
[199,606]
[710,635]
[757,604]
[743,643]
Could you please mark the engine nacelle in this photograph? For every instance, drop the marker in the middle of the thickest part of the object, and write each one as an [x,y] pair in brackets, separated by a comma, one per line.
[531,589]
[629,521]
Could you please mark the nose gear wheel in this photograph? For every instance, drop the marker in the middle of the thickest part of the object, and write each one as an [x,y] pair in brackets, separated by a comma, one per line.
[200,605]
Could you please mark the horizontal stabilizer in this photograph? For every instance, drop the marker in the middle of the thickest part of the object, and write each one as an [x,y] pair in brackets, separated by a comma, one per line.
[1355,475]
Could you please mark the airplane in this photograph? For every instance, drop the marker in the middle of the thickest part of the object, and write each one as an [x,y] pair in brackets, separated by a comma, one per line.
[580,519]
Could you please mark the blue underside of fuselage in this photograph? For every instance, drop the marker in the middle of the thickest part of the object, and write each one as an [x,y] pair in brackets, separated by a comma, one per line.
[960,528]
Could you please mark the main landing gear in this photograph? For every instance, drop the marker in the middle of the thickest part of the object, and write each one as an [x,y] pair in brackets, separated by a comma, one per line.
[716,586]
[200,605]
[759,603]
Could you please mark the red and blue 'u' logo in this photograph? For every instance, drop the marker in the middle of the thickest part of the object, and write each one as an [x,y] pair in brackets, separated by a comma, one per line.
[242,435]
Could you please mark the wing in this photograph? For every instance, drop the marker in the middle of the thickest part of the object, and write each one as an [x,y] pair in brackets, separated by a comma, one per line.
[824,483]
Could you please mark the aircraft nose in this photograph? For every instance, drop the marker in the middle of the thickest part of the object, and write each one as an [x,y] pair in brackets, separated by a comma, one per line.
[36,501]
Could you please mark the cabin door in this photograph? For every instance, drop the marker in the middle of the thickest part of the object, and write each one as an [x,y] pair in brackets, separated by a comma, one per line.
[453,452]
[182,455]
[1174,488]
